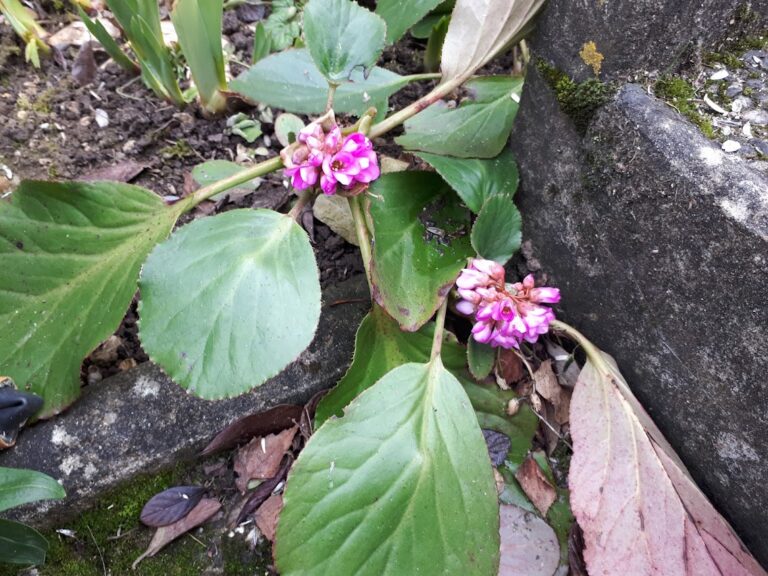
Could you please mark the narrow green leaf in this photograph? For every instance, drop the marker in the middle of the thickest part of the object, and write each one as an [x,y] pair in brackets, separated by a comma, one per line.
[433,51]
[70,255]
[105,39]
[480,358]
[402,484]
[19,487]
[478,128]
[20,544]
[476,180]
[497,232]
[198,26]
[157,69]
[249,306]
[292,82]
[401,15]
[380,346]
[262,43]
[342,36]
[420,244]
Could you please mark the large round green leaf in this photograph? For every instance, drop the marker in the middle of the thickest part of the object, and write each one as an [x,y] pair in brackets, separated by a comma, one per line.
[229,301]
[421,243]
[497,232]
[402,484]
[478,128]
[291,81]
[380,346]
[342,36]
[20,544]
[401,15]
[19,487]
[475,179]
[70,254]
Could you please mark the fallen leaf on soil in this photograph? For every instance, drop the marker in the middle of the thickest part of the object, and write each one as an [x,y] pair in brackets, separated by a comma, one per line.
[107,352]
[334,211]
[576,552]
[511,368]
[546,384]
[263,491]
[565,366]
[120,172]
[261,457]
[529,546]
[167,534]
[536,486]
[171,505]
[267,514]
[261,424]
[389,165]
[76,34]
[639,509]
[84,67]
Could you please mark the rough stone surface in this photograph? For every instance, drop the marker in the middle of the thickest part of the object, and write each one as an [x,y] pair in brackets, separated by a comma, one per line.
[640,35]
[139,421]
[659,243]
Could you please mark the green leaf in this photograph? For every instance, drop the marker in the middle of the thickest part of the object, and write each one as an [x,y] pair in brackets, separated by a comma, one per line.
[478,128]
[381,346]
[19,487]
[401,15]
[70,255]
[198,26]
[480,358]
[212,171]
[401,484]
[423,29]
[157,68]
[476,180]
[292,82]
[262,43]
[20,544]
[420,244]
[342,36]
[497,232]
[105,39]
[283,24]
[287,128]
[229,301]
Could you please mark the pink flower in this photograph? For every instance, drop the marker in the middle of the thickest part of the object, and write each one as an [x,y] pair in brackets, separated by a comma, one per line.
[502,318]
[324,156]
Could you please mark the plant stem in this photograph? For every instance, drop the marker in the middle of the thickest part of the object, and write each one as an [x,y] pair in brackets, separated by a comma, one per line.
[363,237]
[305,198]
[437,341]
[424,76]
[594,355]
[225,184]
[414,108]
[331,93]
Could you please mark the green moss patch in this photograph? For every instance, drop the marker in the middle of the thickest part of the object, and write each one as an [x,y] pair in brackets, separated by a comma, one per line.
[681,93]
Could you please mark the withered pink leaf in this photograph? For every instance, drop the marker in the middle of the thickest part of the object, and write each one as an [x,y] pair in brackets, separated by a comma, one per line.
[639,509]
[171,505]
[204,510]
[535,485]
[261,457]
[267,514]
[241,430]
[529,545]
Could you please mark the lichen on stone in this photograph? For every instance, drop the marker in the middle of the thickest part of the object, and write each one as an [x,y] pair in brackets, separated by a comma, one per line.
[591,57]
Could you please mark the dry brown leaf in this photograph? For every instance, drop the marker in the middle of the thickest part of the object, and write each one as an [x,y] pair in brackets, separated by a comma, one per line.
[204,510]
[510,367]
[481,28]
[260,458]
[639,509]
[565,367]
[546,384]
[334,211]
[536,486]
[267,514]
[529,546]
[120,172]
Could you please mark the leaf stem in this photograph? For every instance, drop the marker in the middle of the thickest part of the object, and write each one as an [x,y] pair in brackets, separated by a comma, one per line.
[437,341]
[423,76]
[414,108]
[225,184]
[305,198]
[594,355]
[363,237]
[331,93]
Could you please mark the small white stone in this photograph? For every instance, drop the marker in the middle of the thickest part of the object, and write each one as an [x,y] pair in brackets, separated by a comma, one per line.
[101,117]
[719,75]
[747,130]
[731,146]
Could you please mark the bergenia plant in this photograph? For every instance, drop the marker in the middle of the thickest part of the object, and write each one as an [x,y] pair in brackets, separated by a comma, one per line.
[396,478]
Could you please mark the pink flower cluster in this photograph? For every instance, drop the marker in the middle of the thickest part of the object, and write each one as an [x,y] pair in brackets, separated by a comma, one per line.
[505,315]
[326,157]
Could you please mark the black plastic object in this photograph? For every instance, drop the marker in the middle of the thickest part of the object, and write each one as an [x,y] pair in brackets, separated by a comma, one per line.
[15,409]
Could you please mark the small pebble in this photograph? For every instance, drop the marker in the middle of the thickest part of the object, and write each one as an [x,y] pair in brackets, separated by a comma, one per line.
[731,146]
[756,117]
[101,117]
[719,75]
